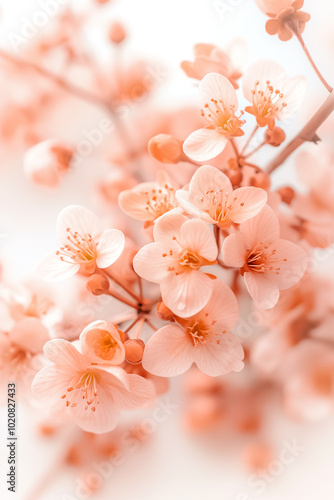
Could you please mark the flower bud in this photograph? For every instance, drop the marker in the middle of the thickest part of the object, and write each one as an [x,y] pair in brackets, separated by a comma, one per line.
[47,162]
[134,350]
[97,284]
[117,33]
[287,194]
[166,148]
[164,313]
[275,137]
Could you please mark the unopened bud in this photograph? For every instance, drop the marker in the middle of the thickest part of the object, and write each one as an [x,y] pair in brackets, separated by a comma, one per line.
[134,350]
[97,284]
[164,313]
[117,33]
[287,194]
[47,162]
[166,148]
[275,137]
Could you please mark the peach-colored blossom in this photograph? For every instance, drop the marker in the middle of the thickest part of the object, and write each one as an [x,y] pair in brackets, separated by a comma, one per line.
[203,339]
[308,380]
[219,105]
[47,162]
[85,245]
[268,263]
[274,95]
[210,196]
[149,200]
[211,59]
[181,247]
[91,394]
[101,343]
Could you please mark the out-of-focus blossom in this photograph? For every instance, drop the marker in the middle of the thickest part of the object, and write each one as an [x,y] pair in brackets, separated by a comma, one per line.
[90,394]
[219,105]
[117,33]
[21,352]
[46,163]
[211,59]
[166,148]
[203,339]
[268,263]
[181,247]
[85,245]
[101,343]
[116,181]
[149,200]
[274,95]
[308,380]
[286,17]
[210,196]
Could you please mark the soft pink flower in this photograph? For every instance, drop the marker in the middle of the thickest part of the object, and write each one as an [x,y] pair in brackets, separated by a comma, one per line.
[85,245]
[308,380]
[220,103]
[149,200]
[91,394]
[203,339]
[274,7]
[181,248]
[211,197]
[268,263]
[274,95]
[47,162]
[20,351]
[211,59]
[101,343]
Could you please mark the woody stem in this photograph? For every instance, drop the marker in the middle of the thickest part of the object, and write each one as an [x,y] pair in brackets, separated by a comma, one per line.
[307,134]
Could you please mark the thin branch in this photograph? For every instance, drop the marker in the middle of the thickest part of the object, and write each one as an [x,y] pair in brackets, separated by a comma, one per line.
[307,134]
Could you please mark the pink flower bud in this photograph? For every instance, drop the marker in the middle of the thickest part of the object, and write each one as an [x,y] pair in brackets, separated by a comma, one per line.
[97,284]
[134,350]
[166,148]
[117,33]
[47,162]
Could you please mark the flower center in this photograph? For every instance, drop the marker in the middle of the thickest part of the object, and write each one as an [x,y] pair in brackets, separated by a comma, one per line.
[79,249]
[83,386]
[160,201]
[15,360]
[201,332]
[262,259]
[219,207]
[103,343]
[188,258]
[268,103]
[225,119]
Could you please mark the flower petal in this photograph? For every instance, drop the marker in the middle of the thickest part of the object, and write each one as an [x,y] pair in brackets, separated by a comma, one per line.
[181,294]
[234,250]
[52,268]
[139,394]
[262,71]
[151,264]
[264,227]
[110,246]
[204,144]
[169,352]
[30,334]
[206,181]
[217,359]
[218,87]
[247,202]
[78,219]
[262,288]
[196,235]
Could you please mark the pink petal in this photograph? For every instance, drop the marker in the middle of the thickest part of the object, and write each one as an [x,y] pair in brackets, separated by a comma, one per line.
[293,268]
[181,292]
[167,228]
[110,246]
[293,90]
[140,393]
[50,384]
[218,87]
[198,236]
[207,179]
[52,268]
[62,352]
[77,219]
[204,144]
[262,288]
[261,71]
[264,227]
[30,334]
[247,202]
[133,201]
[222,307]
[217,359]
[150,264]
[234,250]
[182,196]
[169,352]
